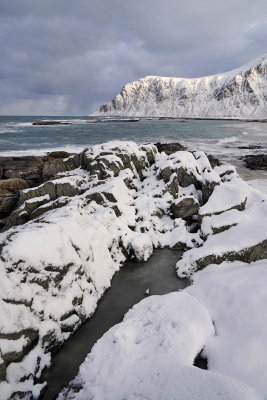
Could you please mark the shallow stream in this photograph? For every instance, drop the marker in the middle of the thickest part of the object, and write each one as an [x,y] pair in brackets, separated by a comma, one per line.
[128,287]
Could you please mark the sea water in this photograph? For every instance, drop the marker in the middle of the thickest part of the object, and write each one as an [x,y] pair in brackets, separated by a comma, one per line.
[221,138]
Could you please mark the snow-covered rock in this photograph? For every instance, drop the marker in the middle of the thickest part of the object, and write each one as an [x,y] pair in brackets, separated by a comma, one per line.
[241,93]
[235,296]
[150,356]
[233,226]
[82,225]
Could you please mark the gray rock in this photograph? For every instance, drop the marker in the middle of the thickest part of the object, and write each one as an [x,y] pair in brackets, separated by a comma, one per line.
[8,201]
[185,208]
[173,187]
[256,161]
[58,203]
[15,356]
[207,190]
[247,255]
[165,174]
[186,178]
[214,162]
[239,207]
[2,369]
[59,154]
[32,199]
[169,148]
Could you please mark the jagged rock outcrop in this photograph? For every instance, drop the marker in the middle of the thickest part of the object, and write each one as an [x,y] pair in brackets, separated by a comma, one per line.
[241,93]
[17,173]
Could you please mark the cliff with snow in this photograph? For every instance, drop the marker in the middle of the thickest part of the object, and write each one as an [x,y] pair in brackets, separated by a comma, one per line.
[241,93]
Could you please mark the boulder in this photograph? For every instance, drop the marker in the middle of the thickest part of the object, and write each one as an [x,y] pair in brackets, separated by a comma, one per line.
[138,247]
[185,208]
[256,161]
[169,148]
[59,154]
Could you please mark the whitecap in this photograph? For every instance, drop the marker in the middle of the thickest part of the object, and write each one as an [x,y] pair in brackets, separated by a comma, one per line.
[230,139]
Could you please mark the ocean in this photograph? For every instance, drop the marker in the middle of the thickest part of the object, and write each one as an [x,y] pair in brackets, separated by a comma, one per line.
[220,138]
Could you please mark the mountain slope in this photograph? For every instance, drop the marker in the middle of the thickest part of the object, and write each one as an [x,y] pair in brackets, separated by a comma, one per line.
[241,93]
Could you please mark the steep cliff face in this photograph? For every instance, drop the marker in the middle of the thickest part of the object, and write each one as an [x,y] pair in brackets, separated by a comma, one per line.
[241,93]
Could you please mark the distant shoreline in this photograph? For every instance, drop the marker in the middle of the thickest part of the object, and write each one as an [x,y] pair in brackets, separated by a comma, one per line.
[182,118]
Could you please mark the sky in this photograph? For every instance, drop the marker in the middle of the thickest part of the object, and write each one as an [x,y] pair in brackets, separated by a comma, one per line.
[67,57]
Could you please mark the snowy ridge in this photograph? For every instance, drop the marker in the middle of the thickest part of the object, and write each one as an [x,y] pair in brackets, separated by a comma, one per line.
[240,93]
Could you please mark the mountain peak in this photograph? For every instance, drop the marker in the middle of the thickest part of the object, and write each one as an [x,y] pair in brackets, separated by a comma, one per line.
[240,93]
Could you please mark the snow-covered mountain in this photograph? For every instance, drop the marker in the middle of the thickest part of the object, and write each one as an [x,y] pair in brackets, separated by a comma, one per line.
[241,93]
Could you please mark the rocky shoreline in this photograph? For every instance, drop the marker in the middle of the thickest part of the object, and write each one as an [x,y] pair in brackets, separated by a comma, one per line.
[71,220]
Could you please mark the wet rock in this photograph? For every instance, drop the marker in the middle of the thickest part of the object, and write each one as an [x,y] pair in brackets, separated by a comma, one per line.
[185,208]
[169,148]
[249,147]
[256,161]
[59,154]
[50,123]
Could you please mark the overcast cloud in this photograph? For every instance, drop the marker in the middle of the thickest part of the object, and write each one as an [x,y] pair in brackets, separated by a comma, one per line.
[67,57]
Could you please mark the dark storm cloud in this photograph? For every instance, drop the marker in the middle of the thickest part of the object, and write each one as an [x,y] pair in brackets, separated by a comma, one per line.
[68,57]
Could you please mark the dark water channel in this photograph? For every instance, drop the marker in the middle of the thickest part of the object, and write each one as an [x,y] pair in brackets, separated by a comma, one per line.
[128,288]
